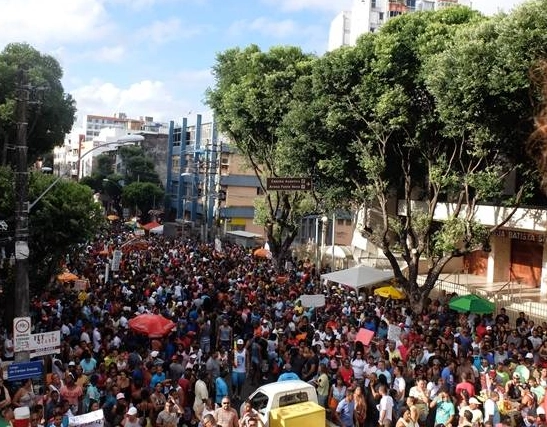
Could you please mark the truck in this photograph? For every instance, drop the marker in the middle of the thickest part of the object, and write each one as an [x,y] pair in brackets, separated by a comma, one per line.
[287,404]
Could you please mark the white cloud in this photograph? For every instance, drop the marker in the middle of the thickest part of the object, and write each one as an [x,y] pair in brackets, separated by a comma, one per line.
[277,29]
[160,32]
[139,5]
[147,97]
[107,54]
[489,7]
[195,76]
[318,5]
[40,22]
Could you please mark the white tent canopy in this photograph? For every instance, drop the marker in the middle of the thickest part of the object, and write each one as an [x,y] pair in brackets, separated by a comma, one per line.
[157,230]
[359,276]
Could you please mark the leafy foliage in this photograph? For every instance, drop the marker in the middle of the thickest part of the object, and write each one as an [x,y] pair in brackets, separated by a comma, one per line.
[251,98]
[63,218]
[142,195]
[414,116]
[51,112]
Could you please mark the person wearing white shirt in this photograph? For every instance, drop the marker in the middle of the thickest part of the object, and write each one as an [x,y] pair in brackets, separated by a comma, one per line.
[84,336]
[385,408]
[399,384]
[358,365]
[96,340]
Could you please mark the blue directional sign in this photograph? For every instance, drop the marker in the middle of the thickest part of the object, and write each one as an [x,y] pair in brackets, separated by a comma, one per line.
[24,370]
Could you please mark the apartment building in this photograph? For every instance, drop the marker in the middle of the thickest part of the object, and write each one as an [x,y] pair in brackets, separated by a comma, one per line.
[93,124]
[366,16]
[207,182]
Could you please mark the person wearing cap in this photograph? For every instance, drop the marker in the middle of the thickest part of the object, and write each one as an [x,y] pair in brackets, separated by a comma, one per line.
[118,411]
[474,409]
[131,418]
[513,387]
[240,367]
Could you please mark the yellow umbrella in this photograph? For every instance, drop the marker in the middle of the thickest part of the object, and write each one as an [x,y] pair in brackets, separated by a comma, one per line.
[389,292]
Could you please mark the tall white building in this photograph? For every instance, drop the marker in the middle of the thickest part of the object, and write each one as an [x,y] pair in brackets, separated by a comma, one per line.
[368,15]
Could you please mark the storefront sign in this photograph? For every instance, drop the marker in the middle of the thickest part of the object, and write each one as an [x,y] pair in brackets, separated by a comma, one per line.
[520,235]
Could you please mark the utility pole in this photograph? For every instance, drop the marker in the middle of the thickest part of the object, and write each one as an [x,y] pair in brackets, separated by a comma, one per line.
[22,299]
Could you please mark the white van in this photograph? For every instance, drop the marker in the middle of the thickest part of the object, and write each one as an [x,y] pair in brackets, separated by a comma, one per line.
[273,396]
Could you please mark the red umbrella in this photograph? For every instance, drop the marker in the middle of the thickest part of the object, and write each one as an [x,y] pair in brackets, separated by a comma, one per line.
[151,325]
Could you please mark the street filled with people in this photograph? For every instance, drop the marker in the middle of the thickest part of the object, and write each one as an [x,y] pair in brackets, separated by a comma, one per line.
[233,323]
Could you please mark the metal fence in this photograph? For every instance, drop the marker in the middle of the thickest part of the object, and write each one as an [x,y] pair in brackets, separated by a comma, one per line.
[508,297]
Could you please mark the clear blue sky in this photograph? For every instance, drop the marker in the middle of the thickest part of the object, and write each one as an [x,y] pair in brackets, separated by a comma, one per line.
[153,57]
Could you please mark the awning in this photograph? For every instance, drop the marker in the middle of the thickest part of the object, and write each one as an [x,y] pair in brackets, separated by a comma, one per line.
[157,230]
[150,225]
[246,234]
[359,277]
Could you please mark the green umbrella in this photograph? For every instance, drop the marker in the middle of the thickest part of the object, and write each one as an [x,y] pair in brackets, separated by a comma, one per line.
[472,303]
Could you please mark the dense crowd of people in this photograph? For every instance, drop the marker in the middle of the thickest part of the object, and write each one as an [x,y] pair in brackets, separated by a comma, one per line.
[239,323]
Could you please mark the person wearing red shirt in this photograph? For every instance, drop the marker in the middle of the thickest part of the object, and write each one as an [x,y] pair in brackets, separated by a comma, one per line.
[404,348]
[346,372]
[466,385]
[481,330]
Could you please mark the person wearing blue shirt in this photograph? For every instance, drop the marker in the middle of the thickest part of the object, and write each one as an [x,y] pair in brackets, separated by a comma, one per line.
[447,374]
[287,374]
[88,363]
[345,410]
[158,377]
[221,390]
[445,409]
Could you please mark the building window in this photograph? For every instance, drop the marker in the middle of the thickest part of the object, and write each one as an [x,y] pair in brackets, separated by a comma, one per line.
[373,3]
[381,16]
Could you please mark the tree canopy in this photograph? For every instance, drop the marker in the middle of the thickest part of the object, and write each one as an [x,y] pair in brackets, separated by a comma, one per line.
[251,97]
[51,110]
[431,111]
[63,218]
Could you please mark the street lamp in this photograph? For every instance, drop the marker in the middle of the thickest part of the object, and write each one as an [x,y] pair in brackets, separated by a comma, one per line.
[324,223]
[130,139]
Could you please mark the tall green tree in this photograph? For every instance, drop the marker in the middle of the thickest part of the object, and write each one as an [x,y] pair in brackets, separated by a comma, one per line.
[51,111]
[382,134]
[251,96]
[142,196]
[63,218]
[138,167]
